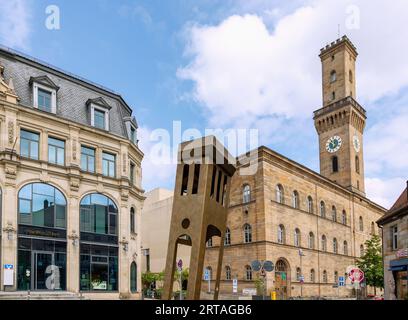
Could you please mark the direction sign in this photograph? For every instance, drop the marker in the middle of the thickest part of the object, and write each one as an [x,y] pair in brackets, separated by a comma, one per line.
[180,265]
[235,285]
[207,275]
[268,266]
[342,281]
[256,265]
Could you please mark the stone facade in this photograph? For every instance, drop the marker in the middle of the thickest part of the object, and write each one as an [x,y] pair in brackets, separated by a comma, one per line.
[283,210]
[70,125]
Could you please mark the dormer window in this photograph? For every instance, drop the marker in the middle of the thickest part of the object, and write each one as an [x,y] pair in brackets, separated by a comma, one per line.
[131,128]
[99,112]
[44,94]
[133,134]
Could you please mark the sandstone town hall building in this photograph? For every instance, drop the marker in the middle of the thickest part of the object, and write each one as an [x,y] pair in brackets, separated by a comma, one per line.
[285,206]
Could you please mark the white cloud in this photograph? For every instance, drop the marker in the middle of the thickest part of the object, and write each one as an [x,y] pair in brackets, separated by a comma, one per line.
[14,23]
[385,191]
[247,72]
[139,12]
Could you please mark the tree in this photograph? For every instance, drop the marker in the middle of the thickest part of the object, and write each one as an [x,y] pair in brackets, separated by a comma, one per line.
[371,263]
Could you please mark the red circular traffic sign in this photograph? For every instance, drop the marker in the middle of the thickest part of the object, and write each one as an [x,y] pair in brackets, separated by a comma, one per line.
[356,275]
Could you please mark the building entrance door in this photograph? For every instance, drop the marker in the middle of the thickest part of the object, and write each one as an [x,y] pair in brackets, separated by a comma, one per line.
[40,262]
[281,280]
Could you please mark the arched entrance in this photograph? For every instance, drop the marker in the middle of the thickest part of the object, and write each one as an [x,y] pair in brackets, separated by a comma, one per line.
[282,279]
[133,277]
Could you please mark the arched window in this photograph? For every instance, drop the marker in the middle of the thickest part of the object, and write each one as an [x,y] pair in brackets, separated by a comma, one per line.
[209,243]
[311,240]
[324,276]
[336,277]
[344,217]
[246,194]
[335,245]
[312,276]
[42,205]
[281,234]
[334,214]
[309,204]
[279,194]
[98,215]
[132,220]
[351,76]
[228,273]
[133,277]
[335,164]
[298,274]
[247,233]
[372,228]
[324,243]
[357,164]
[322,209]
[297,238]
[345,248]
[361,223]
[333,76]
[361,250]
[227,240]
[295,199]
[248,273]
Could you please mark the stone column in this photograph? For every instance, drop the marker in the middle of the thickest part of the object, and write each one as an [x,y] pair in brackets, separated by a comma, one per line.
[73,244]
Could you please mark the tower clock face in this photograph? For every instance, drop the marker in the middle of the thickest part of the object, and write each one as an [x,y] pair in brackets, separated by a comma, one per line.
[333,144]
[356,143]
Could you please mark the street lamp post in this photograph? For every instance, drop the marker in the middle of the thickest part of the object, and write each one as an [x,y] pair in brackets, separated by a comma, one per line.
[301,254]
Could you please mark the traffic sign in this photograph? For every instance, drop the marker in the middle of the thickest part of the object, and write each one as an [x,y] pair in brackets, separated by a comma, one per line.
[8,266]
[256,265]
[268,266]
[342,281]
[235,285]
[207,275]
[180,265]
[356,275]
[302,279]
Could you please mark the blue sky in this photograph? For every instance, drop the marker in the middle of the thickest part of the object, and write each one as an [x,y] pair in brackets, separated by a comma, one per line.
[232,64]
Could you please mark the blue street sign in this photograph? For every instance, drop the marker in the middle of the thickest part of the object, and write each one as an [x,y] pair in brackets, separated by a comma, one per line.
[207,275]
[8,266]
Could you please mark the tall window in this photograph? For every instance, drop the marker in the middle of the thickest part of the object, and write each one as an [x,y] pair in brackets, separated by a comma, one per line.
[344,217]
[209,243]
[324,243]
[334,214]
[361,223]
[351,76]
[42,205]
[281,234]
[324,276]
[99,119]
[108,164]
[297,238]
[44,100]
[133,136]
[196,178]
[312,276]
[87,159]
[372,228]
[56,151]
[227,240]
[322,209]
[361,250]
[248,273]
[184,182]
[98,215]
[29,144]
[279,193]
[333,76]
[298,274]
[132,220]
[295,199]
[132,173]
[133,277]
[336,277]
[357,164]
[309,204]
[394,237]
[247,233]
[246,194]
[335,247]
[228,273]
[335,164]
[345,248]
[311,240]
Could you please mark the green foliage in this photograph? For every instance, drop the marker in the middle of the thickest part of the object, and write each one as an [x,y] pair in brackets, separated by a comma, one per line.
[371,262]
[259,285]
[184,274]
[148,278]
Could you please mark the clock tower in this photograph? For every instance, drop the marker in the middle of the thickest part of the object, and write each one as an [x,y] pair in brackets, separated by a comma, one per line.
[340,122]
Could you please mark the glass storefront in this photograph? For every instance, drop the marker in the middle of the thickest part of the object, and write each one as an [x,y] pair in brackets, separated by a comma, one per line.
[42,246]
[98,244]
